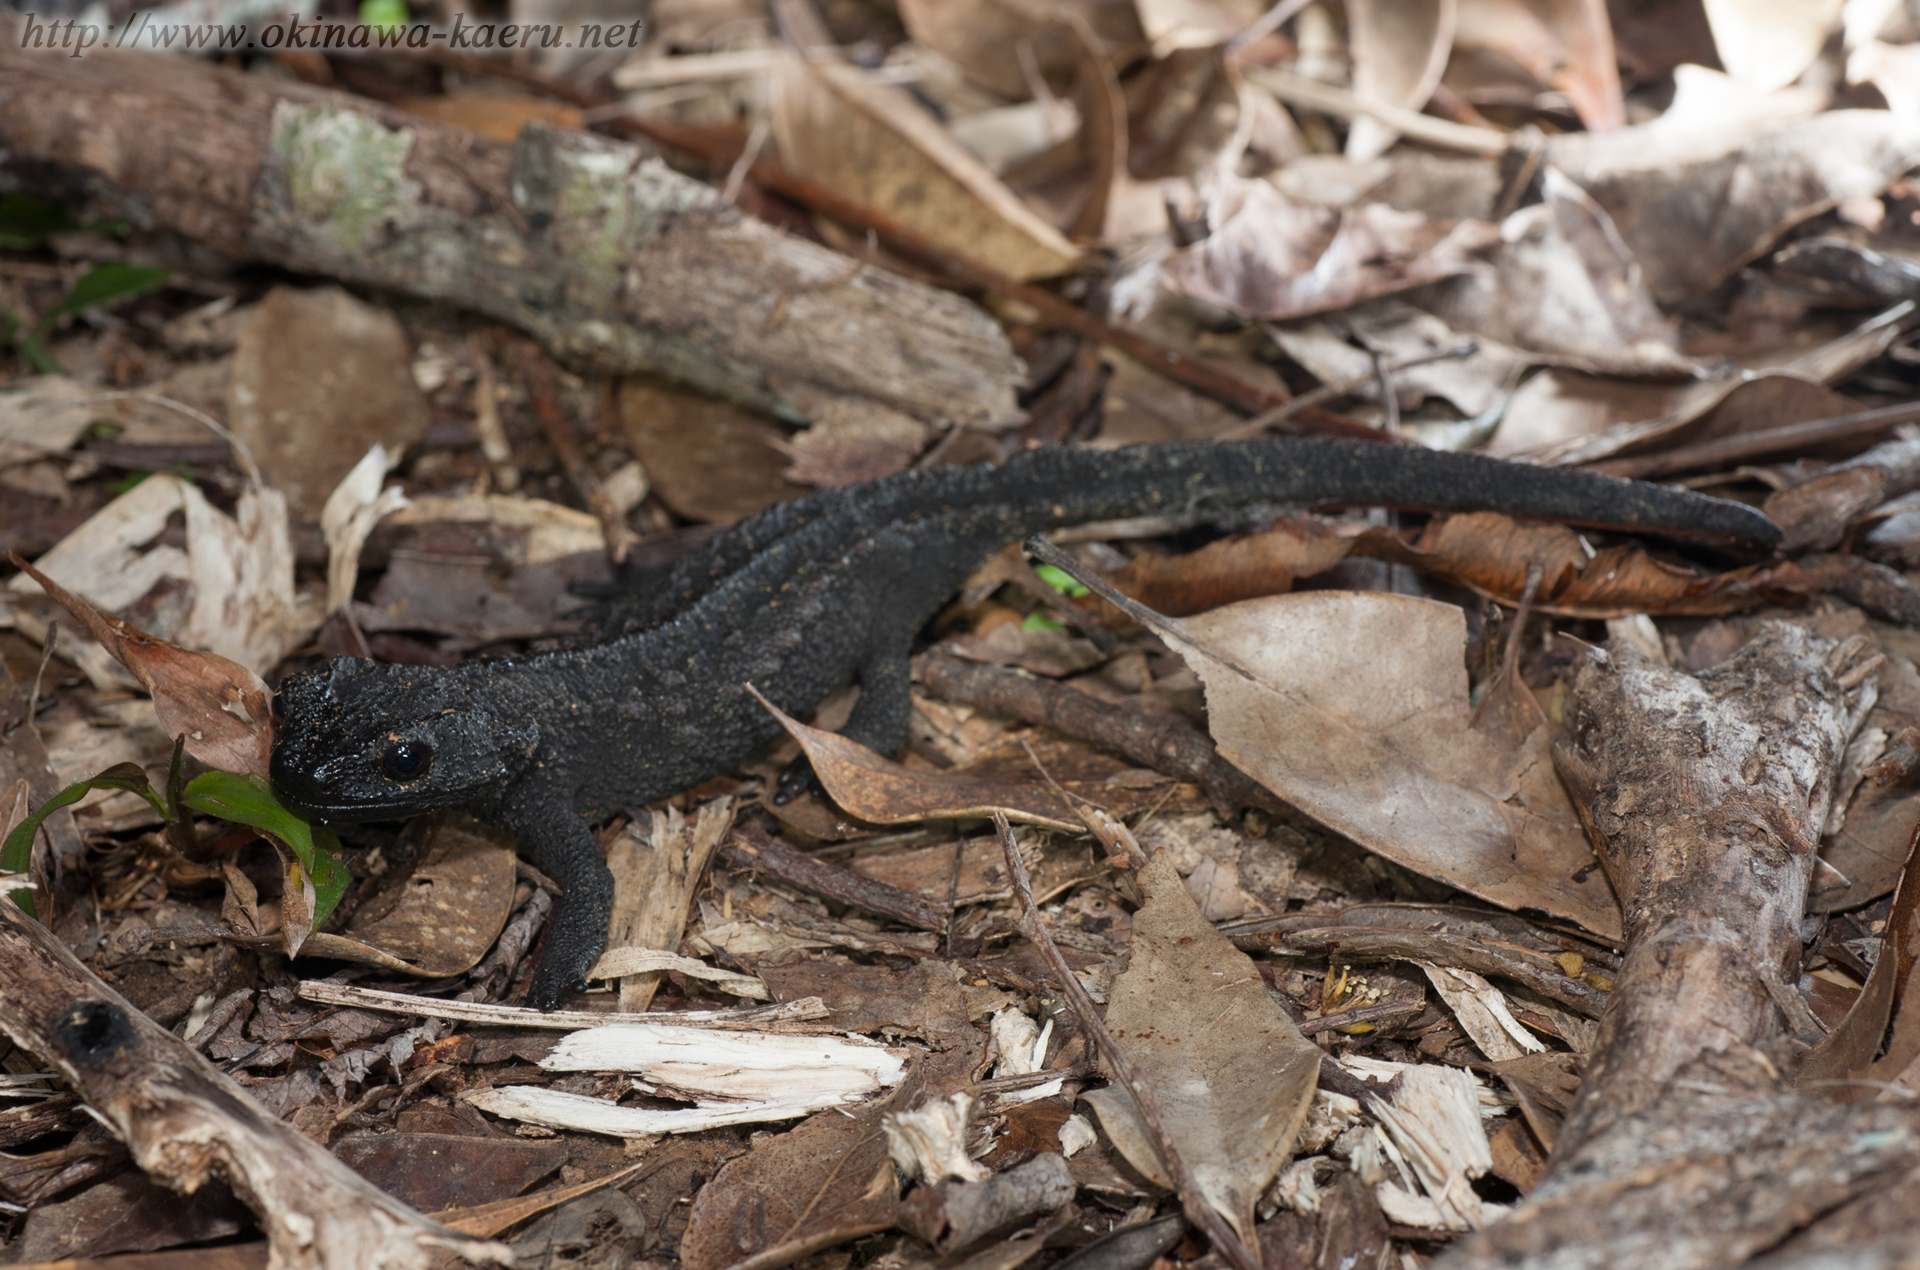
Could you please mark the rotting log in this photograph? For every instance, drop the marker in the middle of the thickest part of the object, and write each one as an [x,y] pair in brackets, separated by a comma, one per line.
[184,1121]
[1686,1146]
[613,260]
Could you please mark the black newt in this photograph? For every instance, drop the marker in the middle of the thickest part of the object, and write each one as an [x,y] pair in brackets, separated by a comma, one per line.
[798,601]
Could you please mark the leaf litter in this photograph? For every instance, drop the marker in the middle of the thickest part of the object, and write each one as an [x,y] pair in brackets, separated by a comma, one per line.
[1615,261]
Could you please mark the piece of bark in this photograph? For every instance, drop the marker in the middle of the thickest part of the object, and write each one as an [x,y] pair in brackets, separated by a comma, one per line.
[953,1215]
[655,873]
[185,1121]
[1814,514]
[1705,797]
[611,259]
[1164,742]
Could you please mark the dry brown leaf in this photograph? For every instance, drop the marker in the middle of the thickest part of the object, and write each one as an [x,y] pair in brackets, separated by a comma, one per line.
[979,37]
[827,1181]
[1565,43]
[1694,201]
[1225,572]
[1492,554]
[1232,1074]
[709,460]
[237,570]
[1399,48]
[1870,848]
[318,378]
[883,792]
[219,706]
[1270,257]
[1563,285]
[1183,115]
[1379,741]
[443,916]
[1568,417]
[873,143]
[1850,1053]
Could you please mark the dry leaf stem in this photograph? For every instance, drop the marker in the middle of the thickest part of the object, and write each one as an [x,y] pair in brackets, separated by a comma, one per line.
[1201,1213]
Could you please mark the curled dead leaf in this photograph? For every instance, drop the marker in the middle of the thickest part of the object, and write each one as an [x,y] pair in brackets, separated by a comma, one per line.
[219,706]
[877,790]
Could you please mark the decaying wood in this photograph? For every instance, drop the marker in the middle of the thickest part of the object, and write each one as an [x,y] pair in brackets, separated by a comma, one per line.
[185,1122]
[610,258]
[1705,797]
[1525,966]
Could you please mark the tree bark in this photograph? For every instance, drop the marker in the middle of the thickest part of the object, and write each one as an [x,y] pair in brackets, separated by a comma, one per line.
[1705,799]
[614,261]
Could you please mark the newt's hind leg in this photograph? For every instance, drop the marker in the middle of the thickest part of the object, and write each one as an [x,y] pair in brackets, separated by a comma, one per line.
[879,719]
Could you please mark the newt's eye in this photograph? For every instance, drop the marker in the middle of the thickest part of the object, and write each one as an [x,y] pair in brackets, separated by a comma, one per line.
[407,761]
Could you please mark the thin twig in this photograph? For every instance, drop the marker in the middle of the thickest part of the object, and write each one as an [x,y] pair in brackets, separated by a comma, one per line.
[1201,1213]
[1340,388]
[1267,23]
[1754,445]
[46,655]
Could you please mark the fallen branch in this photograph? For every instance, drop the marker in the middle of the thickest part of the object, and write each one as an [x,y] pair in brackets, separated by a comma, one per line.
[722,150]
[615,262]
[185,1122]
[1705,796]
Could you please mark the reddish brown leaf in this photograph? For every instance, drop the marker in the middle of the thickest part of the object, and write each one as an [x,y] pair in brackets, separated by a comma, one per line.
[1492,554]
[219,706]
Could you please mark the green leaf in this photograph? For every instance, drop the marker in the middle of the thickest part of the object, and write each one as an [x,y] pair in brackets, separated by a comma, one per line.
[383,15]
[104,284]
[250,801]
[1040,622]
[18,850]
[26,222]
[1060,580]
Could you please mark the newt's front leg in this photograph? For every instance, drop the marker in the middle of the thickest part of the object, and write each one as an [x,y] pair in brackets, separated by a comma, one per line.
[556,839]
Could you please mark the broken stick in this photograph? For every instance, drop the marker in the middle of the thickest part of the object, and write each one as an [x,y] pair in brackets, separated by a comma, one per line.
[185,1121]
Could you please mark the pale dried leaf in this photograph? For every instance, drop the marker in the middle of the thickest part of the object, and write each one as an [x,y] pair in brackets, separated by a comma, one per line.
[1271,257]
[875,144]
[1380,742]
[1233,1076]
[1399,49]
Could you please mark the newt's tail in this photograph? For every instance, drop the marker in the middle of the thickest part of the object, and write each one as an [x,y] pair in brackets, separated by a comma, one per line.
[1063,486]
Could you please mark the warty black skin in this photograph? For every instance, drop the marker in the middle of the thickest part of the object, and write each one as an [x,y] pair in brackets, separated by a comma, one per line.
[798,601]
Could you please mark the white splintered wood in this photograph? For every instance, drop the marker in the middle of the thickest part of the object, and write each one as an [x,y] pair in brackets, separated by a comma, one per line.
[557,1110]
[630,1047]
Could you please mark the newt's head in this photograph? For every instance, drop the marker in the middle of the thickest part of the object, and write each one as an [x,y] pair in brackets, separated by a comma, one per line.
[361,741]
